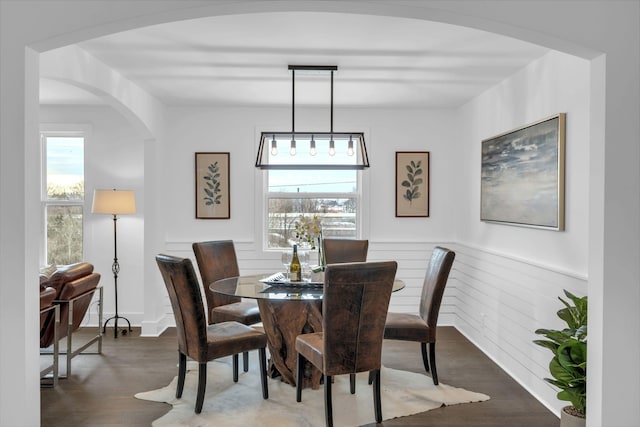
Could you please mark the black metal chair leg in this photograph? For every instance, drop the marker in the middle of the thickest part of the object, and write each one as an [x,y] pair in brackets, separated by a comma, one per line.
[299,370]
[425,360]
[235,367]
[370,377]
[328,405]
[432,359]
[377,401]
[202,385]
[352,383]
[245,361]
[263,372]
[182,372]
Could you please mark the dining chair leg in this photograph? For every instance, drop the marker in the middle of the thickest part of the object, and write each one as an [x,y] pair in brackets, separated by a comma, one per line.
[425,359]
[263,372]
[245,361]
[299,369]
[352,383]
[182,372]
[328,406]
[202,385]
[377,401]
[432,360]
[235,367]
[370,377]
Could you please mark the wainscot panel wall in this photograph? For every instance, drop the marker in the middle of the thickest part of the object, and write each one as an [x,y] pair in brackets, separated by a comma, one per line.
[500,301]
[412,261]
[508,278]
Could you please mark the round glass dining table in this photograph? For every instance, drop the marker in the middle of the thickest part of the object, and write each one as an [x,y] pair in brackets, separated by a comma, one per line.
[286,311]
[255,287]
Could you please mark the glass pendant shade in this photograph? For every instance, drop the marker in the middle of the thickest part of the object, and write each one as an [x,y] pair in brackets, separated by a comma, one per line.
[327,150]
[346,154]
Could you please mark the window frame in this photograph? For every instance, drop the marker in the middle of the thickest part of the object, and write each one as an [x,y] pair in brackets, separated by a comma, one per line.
[360,196]
[59,130]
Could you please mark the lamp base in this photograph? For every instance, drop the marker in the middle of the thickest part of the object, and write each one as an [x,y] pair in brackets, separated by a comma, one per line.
[115,325]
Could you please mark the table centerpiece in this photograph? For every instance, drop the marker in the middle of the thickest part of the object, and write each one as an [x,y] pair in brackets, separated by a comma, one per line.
[309,234]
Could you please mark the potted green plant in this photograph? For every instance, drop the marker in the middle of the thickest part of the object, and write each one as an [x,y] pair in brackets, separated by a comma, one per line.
[569,364]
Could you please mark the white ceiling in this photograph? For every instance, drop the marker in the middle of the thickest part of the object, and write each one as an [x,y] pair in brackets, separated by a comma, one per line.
[242,60]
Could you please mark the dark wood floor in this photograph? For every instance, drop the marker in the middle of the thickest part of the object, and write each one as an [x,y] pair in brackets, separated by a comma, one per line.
[100,391]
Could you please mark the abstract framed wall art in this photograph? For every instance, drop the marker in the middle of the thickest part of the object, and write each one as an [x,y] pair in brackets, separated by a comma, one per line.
[212,186]
[522,175]
[412,183]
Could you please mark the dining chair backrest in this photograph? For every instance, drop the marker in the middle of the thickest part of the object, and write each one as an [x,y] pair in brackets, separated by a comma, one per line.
[354,308]
[188,309]
[216,260]
[435,281]
[345,250]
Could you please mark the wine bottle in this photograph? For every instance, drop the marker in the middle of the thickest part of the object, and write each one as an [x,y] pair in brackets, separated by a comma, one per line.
[295,269]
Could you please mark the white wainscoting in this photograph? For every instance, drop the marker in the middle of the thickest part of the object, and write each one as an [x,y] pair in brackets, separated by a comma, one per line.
[500,301]
[412,261]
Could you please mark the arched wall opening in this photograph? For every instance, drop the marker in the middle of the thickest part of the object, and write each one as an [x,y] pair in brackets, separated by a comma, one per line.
[476,17]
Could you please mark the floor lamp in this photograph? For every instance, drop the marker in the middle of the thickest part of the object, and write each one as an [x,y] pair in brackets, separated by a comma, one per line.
[114,202]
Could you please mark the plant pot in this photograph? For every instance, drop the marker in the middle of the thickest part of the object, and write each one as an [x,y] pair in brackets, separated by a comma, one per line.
[569,420]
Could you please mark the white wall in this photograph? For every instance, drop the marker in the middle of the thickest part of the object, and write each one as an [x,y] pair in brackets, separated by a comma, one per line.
[554,84]
[113,159]
[193,129]
[234,130]
[508,278]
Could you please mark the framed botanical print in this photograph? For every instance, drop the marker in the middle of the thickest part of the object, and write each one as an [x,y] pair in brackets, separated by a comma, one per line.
[412,183]
[522,181]
[212,186]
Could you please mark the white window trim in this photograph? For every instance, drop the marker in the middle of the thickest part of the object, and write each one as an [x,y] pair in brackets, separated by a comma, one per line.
[52,130]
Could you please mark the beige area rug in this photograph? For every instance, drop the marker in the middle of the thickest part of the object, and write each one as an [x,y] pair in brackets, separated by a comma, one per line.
[241,404]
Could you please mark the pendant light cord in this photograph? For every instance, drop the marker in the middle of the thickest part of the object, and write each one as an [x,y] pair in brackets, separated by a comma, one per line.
[332,103]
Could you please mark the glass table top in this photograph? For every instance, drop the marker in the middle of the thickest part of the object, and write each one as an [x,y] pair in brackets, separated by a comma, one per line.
[253,287]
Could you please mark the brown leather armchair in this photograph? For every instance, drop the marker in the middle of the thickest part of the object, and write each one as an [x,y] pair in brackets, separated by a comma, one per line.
[75,286]
[354,305]
[422,327]
[48,309]
[345,250]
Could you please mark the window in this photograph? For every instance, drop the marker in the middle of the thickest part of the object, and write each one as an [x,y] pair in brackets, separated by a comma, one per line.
[62,196]
[332,195]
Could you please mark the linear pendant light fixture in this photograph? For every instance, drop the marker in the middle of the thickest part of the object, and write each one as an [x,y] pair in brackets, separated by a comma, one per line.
[311,150]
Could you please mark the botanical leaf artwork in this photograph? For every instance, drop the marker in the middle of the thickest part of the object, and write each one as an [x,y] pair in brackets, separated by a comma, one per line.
[212,185]
[413,181]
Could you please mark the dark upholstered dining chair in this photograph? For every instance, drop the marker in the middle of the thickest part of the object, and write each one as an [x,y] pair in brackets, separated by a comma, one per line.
[337,251]
[354,305]
[217,260]
[196,339]
[345,250]
[422,327]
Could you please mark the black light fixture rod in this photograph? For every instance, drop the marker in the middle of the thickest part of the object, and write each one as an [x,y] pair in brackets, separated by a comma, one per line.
[293,100]
[331,101]
[314,67]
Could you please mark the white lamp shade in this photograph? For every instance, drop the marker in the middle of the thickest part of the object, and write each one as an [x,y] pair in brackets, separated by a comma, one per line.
[114,202]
